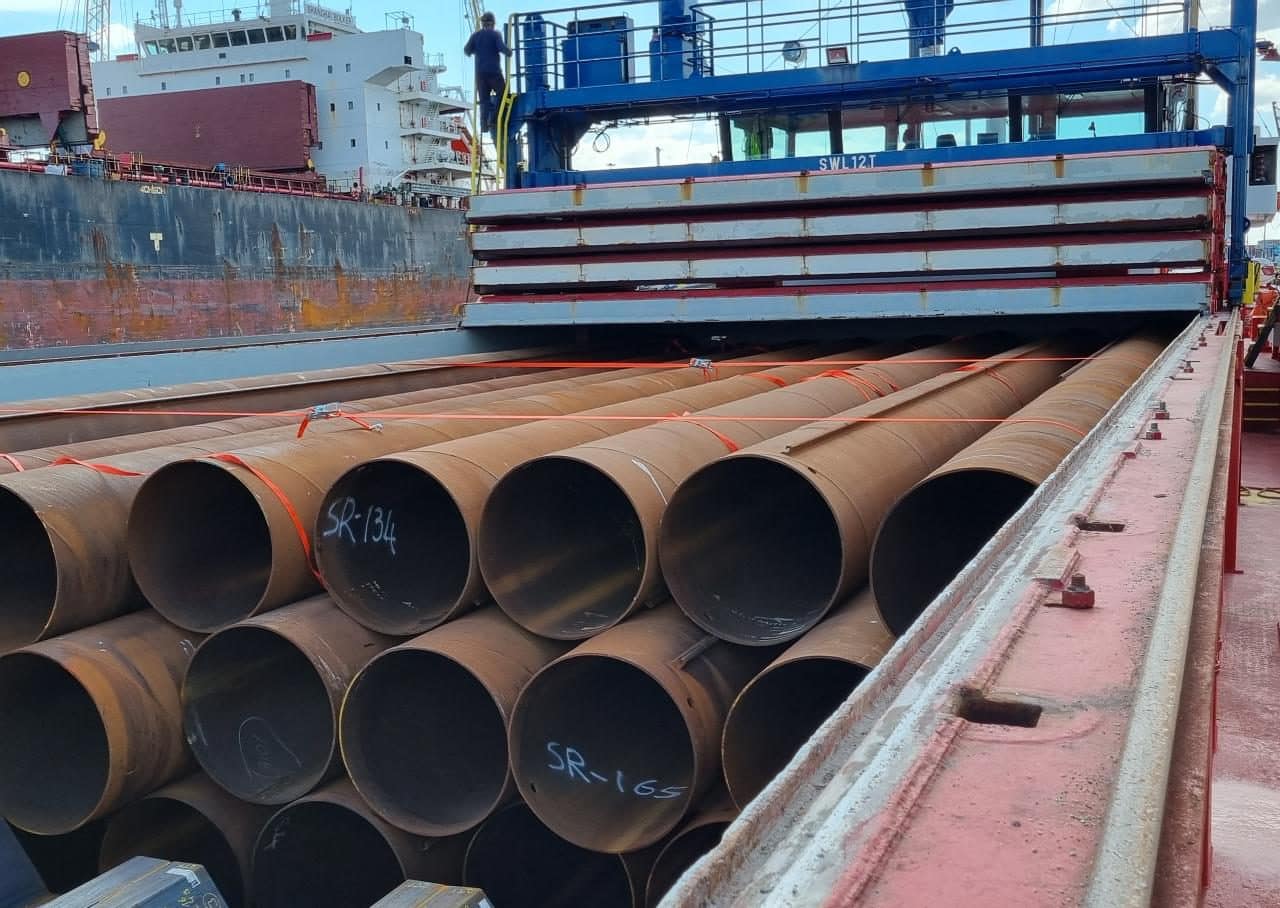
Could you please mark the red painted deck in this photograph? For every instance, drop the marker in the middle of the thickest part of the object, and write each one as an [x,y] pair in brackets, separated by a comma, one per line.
[1246,772]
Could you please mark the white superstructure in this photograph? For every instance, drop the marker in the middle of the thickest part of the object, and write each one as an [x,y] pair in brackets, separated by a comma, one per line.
[383,117]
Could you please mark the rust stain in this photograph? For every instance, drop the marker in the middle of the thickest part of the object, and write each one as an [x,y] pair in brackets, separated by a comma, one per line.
[579,194]
[802,182]
[927,175]
[1059,167]
[686,189]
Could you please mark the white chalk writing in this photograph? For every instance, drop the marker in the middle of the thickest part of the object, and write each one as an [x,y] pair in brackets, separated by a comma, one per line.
[569,760]
[374,526]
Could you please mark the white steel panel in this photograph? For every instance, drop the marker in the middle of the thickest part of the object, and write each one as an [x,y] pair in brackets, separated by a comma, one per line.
[820,228]
[987,177]
[795,304]
[1152,253]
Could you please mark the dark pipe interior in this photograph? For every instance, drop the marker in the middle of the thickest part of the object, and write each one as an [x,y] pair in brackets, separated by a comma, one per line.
[64,861]
[322,855]
[424,742]
[518,861]
[258,716]
[750,551]
[53,746]
[405,585]
[624,735]
[932,533]
[678,856]
[30,576]
[561,548]
[199,546]
[173,831]
[776,715]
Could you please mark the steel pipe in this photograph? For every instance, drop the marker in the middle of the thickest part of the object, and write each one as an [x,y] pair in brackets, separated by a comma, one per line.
[517,860]
[946,518]
[569,542]
[328,850]
[424,724]
[439,492]
[67,537]
[764,567]
[91,720]
[612,742]
[260,700]
[786,703]
[691,841]
[195,821]
[243,555]
[98,415]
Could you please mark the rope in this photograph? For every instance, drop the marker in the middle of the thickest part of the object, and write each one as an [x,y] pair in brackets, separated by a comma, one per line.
[17,464]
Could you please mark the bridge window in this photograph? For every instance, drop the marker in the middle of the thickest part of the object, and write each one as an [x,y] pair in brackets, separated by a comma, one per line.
[202,42]
[151,48]
[184,43]
[275,33]
[257,36]
[220,39]
[168,46]
[239,39]
[290,32]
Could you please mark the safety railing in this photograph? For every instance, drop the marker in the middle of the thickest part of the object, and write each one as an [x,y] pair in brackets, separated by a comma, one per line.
[626,41]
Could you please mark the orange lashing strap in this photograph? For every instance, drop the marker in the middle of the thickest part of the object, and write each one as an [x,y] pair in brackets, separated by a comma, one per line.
[724,439]
[17,464]
[284,501]
[104,468]
[780,382]
[334,411]
[869,390]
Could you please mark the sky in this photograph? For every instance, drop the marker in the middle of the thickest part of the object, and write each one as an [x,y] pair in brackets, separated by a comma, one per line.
[445,28]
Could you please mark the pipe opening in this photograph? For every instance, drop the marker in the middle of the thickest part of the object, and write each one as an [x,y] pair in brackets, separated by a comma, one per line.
[561,548]
[172,830]
[932,533]
[257,715]
[425,743]
[322,855]
[751,552]
[199,546]
[31,573]
[518,861]
[67,860]
[601,753]
[392,547]
[776,714]
[55,756]
[678,856]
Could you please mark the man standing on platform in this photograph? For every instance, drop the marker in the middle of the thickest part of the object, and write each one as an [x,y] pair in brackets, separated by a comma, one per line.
[487,46]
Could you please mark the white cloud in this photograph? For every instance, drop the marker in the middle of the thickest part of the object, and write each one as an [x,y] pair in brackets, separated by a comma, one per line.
[120,39]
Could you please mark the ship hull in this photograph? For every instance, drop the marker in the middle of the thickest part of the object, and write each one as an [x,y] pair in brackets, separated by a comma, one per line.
[85,260]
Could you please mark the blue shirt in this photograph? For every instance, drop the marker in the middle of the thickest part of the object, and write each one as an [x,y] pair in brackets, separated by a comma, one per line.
[487,47]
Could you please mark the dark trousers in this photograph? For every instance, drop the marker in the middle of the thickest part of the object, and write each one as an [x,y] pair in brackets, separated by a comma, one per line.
[490,87]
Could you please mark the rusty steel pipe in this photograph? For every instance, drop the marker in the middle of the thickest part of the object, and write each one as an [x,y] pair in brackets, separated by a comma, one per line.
[784,705]
[439,492]
[191,820]
[517,860]
[934,530]
[242,554]
[568,542]
[424,724]
[90,721]
[99,415]
[66,525]
[764,567]
[329,850]
[612,742]
[260,700]
[698,835]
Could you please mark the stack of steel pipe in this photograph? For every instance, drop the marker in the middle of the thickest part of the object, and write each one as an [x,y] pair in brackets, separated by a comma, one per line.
[588,750]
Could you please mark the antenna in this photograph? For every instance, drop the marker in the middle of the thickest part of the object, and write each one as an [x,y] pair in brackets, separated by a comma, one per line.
[97,19]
